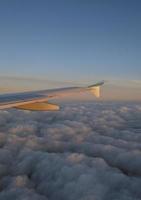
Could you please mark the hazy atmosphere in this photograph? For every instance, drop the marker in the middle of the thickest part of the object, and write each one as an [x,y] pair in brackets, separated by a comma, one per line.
[75,41]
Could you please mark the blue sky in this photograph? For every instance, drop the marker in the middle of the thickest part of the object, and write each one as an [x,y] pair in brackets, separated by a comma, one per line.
[71,39]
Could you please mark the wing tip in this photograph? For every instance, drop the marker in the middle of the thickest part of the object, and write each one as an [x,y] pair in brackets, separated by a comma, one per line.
[97,84]
[95,88]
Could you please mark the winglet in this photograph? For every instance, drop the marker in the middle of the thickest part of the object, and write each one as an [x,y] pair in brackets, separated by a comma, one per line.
[95,88]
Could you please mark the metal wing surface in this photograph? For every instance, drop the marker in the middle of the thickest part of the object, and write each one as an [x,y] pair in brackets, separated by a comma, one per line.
[38,100]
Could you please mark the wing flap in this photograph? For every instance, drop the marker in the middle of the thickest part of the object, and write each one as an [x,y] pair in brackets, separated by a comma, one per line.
[39,106]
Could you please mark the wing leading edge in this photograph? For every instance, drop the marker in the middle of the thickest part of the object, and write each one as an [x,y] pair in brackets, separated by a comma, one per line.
[38,100]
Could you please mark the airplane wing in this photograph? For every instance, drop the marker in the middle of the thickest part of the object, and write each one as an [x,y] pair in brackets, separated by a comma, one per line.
[38,100]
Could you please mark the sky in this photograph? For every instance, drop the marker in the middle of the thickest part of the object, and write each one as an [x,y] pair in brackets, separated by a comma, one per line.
[77,40]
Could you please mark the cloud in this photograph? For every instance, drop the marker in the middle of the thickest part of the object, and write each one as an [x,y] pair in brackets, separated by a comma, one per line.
[86,151]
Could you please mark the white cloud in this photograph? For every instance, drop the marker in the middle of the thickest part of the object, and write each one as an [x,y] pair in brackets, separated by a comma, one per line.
[85,151]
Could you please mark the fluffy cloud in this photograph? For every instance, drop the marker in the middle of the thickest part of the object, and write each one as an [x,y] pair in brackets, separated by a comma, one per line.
[86,151]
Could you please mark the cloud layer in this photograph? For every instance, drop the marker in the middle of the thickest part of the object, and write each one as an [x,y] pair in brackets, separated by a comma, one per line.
[85,151]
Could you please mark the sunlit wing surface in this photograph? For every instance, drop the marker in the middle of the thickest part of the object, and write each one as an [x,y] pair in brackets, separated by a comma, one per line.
[38,100]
